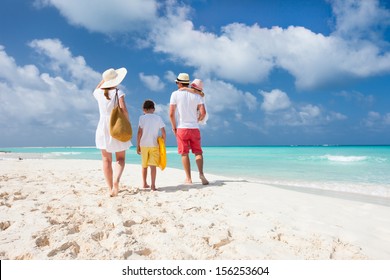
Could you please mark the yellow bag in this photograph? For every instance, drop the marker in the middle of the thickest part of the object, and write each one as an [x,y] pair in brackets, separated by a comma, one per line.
[120,127]
[163,153]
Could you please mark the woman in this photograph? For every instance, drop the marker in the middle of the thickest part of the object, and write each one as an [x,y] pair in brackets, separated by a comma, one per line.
[105,96]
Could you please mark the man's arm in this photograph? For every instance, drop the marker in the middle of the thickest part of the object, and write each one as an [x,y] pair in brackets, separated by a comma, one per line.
[172,117]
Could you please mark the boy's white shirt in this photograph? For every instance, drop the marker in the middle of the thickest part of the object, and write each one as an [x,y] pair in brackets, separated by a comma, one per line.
[151,125]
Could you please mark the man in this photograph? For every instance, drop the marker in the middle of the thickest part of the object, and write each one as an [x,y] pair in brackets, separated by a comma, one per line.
[186,127]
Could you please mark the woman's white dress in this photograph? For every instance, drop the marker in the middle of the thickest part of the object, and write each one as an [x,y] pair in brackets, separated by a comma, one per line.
[103,139]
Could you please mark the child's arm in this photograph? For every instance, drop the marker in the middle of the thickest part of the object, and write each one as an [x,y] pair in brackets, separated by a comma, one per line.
[163,134]
[194,91]
[139,135]
[202,112]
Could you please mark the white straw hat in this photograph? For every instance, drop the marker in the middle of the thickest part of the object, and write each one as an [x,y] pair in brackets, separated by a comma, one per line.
[183,78]
[112,77]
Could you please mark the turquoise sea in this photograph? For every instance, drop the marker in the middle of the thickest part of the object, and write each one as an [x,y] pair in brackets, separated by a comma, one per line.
[362,170]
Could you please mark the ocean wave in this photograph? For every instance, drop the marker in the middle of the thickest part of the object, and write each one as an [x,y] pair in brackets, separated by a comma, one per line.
[65,153]
[344,158]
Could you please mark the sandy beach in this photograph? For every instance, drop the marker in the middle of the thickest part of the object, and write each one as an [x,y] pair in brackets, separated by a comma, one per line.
[60,210]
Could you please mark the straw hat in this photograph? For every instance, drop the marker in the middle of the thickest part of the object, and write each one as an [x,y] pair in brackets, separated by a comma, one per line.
[183,78]
[197,84]
[112,77]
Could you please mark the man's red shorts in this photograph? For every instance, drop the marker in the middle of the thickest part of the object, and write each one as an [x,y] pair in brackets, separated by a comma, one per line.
[188,138]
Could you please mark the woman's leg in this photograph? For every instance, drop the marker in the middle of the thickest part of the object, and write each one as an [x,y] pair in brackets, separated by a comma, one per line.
[119,167]
[107,169]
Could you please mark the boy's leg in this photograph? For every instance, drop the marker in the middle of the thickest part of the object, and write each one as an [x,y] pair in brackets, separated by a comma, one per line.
[153,172]
[144,177]
[144,158]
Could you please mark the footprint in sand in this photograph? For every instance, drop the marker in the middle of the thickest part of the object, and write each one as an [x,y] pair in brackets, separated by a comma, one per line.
[129,223]
[26,256]
[144,252]
[4,195]
[71,247]
[4,225]
[343,250]
[42,241]
[127,254]
[19,196]
[219,240]
[99,236]
[74,229]
[4,178]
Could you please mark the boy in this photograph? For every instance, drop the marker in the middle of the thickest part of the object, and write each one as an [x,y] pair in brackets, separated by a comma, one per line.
[148,129]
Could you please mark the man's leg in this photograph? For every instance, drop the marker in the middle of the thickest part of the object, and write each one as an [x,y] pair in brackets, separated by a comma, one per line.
[185,159]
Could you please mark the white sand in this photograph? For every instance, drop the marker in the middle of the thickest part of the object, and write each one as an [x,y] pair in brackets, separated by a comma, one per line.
[60,209]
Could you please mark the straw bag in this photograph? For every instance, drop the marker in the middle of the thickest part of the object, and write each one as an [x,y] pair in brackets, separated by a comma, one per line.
[120,127]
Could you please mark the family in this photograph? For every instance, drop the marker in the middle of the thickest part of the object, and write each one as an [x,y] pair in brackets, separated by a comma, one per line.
[186,111]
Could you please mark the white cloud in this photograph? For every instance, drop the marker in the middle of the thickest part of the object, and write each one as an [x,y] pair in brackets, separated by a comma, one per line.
[61,60]
[376,120]
[248,54]
[22,76]
[42,104]
[170,77]
[386,119]
[221,97]
[281,111]
[275,100]
[152,82]
[357,19]
[334,116]
[360,98]
[106,16]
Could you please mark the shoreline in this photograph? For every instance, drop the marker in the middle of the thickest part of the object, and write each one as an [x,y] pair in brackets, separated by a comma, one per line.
[354,196]
[60,209]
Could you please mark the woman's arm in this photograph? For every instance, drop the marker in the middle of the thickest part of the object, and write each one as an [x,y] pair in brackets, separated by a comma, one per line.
[101,82]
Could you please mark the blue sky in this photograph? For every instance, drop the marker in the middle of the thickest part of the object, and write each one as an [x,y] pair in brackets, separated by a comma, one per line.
[278,72]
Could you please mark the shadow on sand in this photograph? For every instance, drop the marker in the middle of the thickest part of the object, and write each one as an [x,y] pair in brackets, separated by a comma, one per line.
[185,187]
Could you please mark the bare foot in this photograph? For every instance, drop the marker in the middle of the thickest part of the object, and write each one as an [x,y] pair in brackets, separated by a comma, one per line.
[146,186]
[188,182]
[154,188]
[115,190]
[203,179]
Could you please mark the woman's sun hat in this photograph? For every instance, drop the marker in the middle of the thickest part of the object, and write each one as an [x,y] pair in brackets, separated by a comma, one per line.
[112,77]
[197,84]
[183,78]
